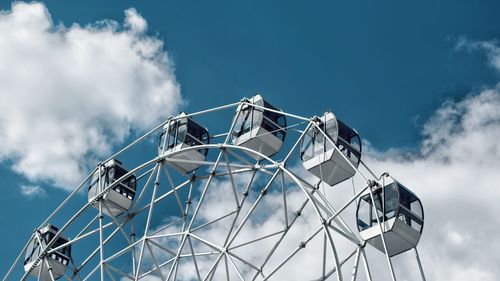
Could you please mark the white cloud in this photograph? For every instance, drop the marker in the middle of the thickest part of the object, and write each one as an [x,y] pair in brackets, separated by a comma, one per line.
[134,21]
[33,191]
[68,95]
[456,174]
[490,47]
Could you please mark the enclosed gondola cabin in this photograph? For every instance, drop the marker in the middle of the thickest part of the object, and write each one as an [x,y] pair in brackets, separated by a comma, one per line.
[259,129]
[58,260]
[177,137]
[331,150]
[400,213]
[119,198]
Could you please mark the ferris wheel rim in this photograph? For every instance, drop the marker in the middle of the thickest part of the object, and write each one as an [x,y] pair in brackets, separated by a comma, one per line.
[217,146]
[158,162]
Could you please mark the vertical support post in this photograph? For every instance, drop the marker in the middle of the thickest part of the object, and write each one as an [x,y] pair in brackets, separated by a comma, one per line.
[389,262]
[148,221]
[101,244]
[39,277]
[365,265]
[132,240]
[419,264]
[51,274]
[356,264]
[49,269]
[338,265]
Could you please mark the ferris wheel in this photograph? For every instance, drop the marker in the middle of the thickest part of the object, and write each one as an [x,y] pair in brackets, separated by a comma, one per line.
[262,198]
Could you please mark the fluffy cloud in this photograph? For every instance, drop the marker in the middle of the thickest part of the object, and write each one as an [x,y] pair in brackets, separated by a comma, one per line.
[490,47]
[33,191]
[456,174]
[68,95]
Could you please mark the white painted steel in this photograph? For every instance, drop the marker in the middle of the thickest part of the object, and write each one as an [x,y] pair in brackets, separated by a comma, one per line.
[187,179]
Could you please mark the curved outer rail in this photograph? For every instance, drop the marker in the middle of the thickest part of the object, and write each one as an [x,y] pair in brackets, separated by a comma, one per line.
[166,157]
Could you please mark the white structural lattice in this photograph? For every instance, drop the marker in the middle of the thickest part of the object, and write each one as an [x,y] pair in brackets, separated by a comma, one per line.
[233,218]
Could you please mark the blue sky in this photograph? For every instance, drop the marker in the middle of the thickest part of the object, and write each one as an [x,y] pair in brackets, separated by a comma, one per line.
[385,68]
[348,57]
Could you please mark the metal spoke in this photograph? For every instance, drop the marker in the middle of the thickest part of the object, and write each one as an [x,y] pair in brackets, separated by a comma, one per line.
[242,231]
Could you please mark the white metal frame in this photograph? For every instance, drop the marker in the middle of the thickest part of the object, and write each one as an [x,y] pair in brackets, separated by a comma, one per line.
[229,163]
